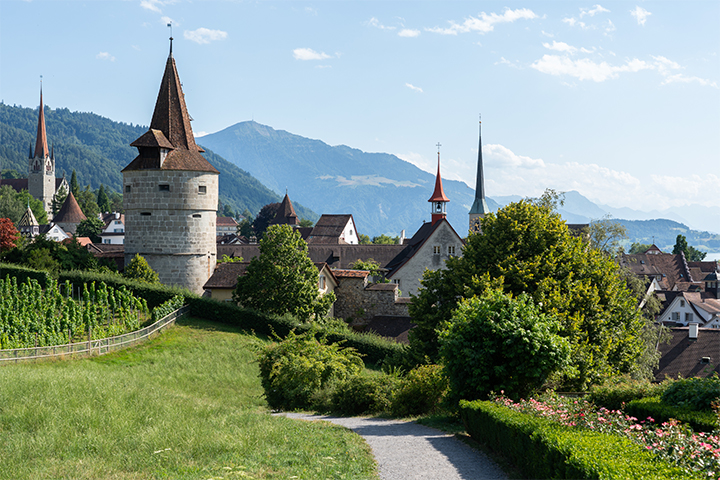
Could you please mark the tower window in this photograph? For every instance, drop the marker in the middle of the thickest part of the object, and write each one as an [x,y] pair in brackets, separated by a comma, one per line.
[164,187]
[202,189]
[145,214]
[196,215]
[128,188]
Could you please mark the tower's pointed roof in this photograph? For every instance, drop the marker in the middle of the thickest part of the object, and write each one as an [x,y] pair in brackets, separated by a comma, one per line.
[285,213]
[41,147]
[28,219]
[480,206]
[438,195]
[70,211]
[170,129]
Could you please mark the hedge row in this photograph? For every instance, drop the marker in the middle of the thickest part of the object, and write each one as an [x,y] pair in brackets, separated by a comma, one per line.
[699,420]
[541,448]
[24,273]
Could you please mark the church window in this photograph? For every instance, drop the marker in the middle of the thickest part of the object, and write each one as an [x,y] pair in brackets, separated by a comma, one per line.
[164,187]
[202,189]
[436,250]
[451,249]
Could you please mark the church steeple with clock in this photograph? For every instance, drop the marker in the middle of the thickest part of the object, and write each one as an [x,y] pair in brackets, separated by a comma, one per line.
[438,199]
[41,177]
[480,207]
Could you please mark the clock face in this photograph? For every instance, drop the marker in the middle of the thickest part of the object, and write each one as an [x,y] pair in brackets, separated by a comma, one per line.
[475,226]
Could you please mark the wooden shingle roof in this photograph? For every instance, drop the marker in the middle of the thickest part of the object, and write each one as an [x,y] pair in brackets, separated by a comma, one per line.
[70,211]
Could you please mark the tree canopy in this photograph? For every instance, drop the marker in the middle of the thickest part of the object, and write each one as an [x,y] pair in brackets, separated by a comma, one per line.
[90,227]
[283,279]
[139,269]
[8,235]
[692,254]
[526,248]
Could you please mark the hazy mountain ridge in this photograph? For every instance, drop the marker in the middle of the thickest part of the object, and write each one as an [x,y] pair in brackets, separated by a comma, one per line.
[98,148]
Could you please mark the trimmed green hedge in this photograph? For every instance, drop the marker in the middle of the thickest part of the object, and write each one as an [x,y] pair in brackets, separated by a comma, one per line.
[699,420]
[24,273]
[541,448]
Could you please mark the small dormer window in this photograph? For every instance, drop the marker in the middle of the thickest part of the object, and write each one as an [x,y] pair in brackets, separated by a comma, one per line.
[682,303]
[202,189]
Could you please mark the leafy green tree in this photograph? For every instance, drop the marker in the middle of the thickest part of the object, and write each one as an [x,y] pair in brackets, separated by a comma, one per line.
[371,266]
[90,227]
[74,185]
[639,248]
[692,254]
[606,235]
[42,259]
[306,223]
[13,205]
[116,202]
[385,240]
[264,217]
[88,204]
[9,174]
[138,269]
[283,279]
[526,247]
[364,239]
[103,201]
[496,342]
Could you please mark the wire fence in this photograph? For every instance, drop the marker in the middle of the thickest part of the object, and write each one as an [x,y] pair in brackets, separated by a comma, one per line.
[92,347]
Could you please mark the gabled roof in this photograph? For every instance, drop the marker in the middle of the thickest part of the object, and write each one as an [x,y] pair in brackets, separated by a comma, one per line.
[170,128]
[439,194]
[41,148]
[70,211]
[415,244]
[226,275]
[226,221]
[671,268]
[28,219]
[683,356]
[285,213]
[329,229]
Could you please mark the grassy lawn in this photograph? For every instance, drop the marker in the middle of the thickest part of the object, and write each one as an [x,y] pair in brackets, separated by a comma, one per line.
[187,405]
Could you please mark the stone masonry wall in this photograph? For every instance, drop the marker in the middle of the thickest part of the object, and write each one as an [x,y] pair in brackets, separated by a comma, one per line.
[360,302]
[170,220]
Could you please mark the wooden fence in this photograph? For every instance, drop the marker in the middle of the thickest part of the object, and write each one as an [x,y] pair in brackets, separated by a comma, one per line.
[92,347]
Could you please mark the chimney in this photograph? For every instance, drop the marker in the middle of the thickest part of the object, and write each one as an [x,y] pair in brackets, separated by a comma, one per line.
[693,331]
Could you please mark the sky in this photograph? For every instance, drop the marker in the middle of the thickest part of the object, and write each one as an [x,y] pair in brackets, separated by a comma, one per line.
[619,100]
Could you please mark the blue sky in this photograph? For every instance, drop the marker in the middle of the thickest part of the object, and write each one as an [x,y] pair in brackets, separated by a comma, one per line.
[617,100]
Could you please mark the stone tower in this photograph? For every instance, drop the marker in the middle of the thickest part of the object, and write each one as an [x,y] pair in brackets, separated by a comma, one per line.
[171,194]
[479,208]
[41,177]
[438,199]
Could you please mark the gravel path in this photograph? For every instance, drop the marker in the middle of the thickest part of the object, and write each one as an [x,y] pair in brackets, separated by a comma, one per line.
[407,450]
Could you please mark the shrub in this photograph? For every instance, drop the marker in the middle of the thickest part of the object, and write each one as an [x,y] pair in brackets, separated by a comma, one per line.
[365,394]
[694,393]
[541,448]
[420,392]
[295,369]
[700,421]
[613,394]
[24,273]
[168,307]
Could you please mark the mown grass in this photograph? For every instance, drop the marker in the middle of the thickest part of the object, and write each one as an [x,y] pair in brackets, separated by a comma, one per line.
[187,405]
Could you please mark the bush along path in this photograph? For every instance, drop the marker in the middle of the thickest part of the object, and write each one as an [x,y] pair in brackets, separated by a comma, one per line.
[406,450]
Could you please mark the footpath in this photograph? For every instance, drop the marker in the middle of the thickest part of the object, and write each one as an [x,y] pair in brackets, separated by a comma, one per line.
[407,450]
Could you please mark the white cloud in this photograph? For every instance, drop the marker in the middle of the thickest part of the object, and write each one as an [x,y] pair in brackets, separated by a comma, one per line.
[374,22]
[610,27]
[547,34]
[105,56]
[485,23]
[585,50]
[204,35]
[640,15]
[593,11]
[664,65]
[572,22]
[153,5]
[369,180]
[501,156]
[504,61]
[560,47]
[309,54]
[680,78]
[414,88]
[407,32]
[586,69]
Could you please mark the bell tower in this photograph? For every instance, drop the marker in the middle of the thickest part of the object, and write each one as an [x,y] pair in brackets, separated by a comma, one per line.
[438,199]
[41,175]
[479,208]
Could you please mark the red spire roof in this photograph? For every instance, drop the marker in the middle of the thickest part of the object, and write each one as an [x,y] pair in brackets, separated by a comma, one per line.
[41,148]
[70,211]
[438,195]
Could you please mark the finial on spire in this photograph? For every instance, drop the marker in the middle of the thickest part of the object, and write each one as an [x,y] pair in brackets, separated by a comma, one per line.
[171,37]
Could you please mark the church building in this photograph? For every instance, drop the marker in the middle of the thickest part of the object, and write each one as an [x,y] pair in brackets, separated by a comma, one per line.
[171,194]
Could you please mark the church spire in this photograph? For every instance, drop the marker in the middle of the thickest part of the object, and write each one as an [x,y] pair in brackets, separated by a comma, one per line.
[479,207]
[438,199]
[41,147]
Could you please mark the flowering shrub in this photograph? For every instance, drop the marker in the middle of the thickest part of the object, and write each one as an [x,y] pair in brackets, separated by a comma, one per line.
[671,440]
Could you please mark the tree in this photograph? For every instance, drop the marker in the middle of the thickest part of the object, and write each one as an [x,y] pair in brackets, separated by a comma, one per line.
[138,269]
[103,201]
[691,253]
[606,235]
[306,223]
[385,240]
[8,235]
[364,239]
[264,217]
[639,248]
[88,204]
[90,227]
[283,279]
[13,205]
[526,247]
[507,344]
[74,185]
[59,199]
[371,266]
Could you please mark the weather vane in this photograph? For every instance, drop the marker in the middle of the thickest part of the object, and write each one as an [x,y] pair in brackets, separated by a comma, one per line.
[171,37]
[438,145]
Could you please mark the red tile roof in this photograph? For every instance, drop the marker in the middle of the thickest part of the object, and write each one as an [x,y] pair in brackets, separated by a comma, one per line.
[350,273]
[439,194]
[70,211]
[285,213]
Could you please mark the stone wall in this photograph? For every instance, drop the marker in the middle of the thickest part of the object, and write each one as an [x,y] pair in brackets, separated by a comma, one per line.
[170,220]
[361,302]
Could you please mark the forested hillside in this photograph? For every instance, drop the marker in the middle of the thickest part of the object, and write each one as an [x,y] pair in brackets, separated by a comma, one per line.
[98,148]
[664,233]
